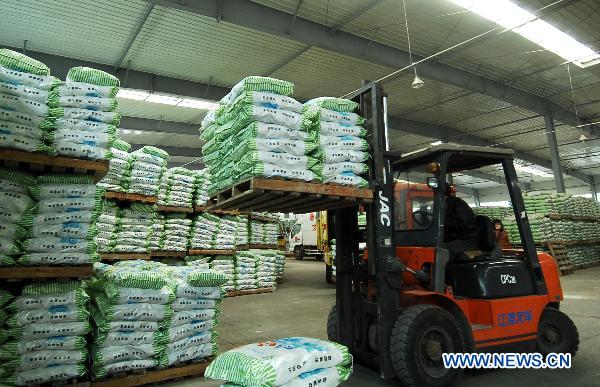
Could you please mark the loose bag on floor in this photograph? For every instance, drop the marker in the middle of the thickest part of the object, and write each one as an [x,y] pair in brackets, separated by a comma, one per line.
[274,363]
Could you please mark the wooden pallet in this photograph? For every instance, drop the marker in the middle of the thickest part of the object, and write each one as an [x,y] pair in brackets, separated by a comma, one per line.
[217,211]
[587,265]
[123,256]
[573,218]
[38,163]
[130,197]
[274,195]
[262,218]
[561,256]
[263,246]
[43,272]
[155,376]
[211,252]
[165,254]
[242,247]
[188,210]
[237,293]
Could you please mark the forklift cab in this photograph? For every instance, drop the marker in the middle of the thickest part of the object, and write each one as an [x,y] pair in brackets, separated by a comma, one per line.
[469,261]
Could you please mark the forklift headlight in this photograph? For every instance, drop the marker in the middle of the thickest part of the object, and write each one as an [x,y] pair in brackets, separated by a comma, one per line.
[433,182]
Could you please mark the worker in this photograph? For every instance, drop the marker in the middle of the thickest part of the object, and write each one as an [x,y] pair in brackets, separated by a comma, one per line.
[501,235]
[460,229]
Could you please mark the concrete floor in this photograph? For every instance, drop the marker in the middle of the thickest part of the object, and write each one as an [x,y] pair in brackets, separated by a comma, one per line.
[300,305]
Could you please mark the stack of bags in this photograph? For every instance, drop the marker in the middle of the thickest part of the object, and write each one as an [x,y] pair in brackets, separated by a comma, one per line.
[280,263]
[257,131]
[137,226]
[176,232]
[581,256]
[177,188]
[201,184]
[146,171]
[266,268]
[132,312]
[88,122]
[26,89]
[5,298]
[46,330]
[108,225]
[119,167]
[256,232]
[293,362]
[245,270]
[17,207]
[343,150]
[225,238]
[494,212]
[271,233]
[64,230]
[198,261]
[241,233]
[225,264]
[204,229]
[156,240]
[198,294]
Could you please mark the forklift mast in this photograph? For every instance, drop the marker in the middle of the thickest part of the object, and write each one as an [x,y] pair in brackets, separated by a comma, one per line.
[382,268]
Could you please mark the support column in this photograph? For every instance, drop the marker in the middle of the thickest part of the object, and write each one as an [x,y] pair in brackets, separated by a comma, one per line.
[593,189]
[476,198]
[554,155]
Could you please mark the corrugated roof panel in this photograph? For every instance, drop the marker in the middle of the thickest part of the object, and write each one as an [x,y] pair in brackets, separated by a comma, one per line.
[190,46]
[318,72]
[93,30]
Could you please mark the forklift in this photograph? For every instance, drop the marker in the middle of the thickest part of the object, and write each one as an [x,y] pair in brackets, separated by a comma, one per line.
[410,297]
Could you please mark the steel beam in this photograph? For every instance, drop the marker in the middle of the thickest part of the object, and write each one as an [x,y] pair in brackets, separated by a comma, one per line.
[440,132]
[272,21]
[150,125]
[554,154]
[476,199]
[294,16]
[593,188]
[134,36]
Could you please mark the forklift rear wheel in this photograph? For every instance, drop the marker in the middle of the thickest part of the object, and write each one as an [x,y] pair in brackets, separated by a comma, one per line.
[557,333]
[332,324]
[421,334]
[299,253]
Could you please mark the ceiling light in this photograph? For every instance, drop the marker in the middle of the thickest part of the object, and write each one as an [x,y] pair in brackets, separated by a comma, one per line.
[198,104]
[436,143]
[138,95]
[164,99]
[417,83]
[510,16]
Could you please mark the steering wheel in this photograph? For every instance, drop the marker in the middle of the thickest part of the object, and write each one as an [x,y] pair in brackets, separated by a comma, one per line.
[425,215]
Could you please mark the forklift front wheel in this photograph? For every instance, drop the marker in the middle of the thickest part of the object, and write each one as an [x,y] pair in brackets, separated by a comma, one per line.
[557,333]
[421,334]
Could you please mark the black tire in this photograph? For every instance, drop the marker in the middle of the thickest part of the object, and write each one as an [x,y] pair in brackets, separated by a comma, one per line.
[332,324]
[557,333]
[420,335]
[299,253]
[329,274]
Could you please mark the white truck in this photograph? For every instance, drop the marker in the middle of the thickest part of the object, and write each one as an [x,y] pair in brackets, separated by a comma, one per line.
[308,235]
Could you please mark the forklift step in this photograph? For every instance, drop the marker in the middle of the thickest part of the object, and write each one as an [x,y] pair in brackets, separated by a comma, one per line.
[479,327]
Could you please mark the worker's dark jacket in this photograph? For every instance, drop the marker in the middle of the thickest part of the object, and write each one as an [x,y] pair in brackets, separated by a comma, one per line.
[460,220]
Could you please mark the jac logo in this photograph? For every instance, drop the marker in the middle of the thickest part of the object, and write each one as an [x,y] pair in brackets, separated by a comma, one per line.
[507,279]
[384,209]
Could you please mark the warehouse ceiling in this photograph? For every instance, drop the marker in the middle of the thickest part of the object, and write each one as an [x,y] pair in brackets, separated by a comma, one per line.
[212,48]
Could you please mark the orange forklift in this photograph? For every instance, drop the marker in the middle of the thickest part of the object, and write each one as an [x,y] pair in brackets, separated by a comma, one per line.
[413,297]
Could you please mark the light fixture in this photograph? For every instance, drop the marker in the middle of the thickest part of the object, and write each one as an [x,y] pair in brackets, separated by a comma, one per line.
[436,143]
[164,99]
[138,95]
[417,83]
[197,104]
[511,16]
